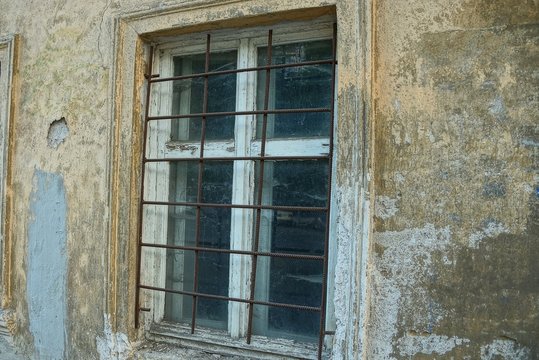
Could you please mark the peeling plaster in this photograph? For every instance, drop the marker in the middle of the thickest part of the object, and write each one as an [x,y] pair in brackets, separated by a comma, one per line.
[506,349]
[386,207]
[7,328]
[58,132]
[112,345]
[396,280]
[431,344]
[348,344]
[497,109]
[492,229]
[399,178]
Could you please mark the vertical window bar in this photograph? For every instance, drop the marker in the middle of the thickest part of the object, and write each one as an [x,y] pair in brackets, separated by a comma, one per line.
[260,186]
[326,240]
[200,179]
[142,176]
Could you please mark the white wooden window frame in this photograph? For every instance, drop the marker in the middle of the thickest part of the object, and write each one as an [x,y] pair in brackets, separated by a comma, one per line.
[246,42]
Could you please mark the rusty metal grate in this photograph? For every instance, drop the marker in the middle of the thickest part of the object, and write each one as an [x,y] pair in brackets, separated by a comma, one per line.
[258,207]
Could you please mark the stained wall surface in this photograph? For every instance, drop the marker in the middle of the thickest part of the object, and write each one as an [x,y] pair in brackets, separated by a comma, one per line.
[456,237]
[451,154]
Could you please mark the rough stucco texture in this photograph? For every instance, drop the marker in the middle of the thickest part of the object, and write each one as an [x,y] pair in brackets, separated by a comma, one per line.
[64,72]
[453,264]
[454,271]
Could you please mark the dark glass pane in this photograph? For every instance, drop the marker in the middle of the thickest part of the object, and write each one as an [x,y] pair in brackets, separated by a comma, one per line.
[183,181]
[296,87]
[296,232]
[212,313]
[213,268]
[295,125]
[297,52]
[217,182]
[177,263]
[291,281]
[188,96]
[284,323]
[213,274]
[284,280]
[295,183]
[178,308]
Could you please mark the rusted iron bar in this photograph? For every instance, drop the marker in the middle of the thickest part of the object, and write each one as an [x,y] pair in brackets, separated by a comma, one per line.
[242,158]
[235,206]
[235,113]
[239,252]
[156,79]
[226,298]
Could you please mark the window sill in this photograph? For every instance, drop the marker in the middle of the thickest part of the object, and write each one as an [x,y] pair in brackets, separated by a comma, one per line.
[215,342]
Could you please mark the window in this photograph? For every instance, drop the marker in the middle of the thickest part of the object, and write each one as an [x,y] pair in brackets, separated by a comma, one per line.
[235,212]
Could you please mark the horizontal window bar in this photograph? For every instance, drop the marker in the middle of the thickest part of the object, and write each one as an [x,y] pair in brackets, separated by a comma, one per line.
[230,113]
[230,251]
[226,298]
[241,158]
[235,206]
[156,79]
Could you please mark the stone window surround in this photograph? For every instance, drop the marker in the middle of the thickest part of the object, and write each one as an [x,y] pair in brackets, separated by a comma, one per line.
[8,61]
[135,31]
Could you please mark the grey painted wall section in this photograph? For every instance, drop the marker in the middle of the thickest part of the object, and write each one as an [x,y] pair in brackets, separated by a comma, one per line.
[47,266]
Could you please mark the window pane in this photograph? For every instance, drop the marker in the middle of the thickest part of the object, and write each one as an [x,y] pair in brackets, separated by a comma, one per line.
[188,96]
[295,183]
[296,87]
[212,313]
[291,281]
[295,125]
[294,324]
[213,268]
[216,181]
[285,280]
[213,271]
[294,232]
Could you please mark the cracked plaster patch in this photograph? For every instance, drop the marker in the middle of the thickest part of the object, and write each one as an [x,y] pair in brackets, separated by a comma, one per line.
[58,132]
[492,229]
[430,344]
[396,284]
[112,345]
[506,349]
[386,207]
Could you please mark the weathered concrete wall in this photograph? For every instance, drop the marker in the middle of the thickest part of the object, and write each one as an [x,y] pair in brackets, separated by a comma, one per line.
[453,262]
[454,270]
[60,191]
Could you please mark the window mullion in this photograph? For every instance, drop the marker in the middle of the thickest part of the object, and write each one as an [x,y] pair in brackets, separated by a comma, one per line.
[243,181]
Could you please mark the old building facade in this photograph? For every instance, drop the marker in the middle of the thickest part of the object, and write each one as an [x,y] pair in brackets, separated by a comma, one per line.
[408,176]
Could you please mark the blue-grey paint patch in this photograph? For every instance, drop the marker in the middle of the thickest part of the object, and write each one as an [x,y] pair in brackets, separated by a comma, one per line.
[47,266]
[494,190]
[497,109]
